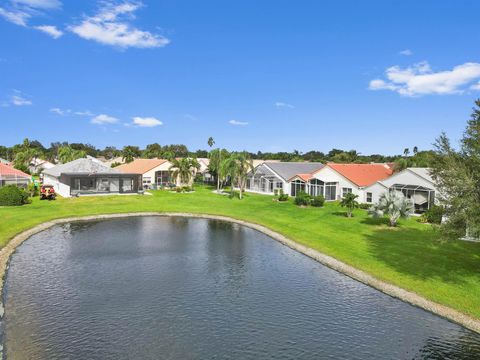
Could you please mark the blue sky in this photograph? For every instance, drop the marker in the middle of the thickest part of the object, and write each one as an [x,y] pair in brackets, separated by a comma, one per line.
[375,76]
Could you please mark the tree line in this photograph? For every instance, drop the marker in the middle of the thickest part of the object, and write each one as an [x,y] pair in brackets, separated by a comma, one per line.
[21,155]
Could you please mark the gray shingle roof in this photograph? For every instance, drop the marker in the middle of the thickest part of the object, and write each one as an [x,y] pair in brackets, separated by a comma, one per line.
[289,169]
[422,172]
[81,166]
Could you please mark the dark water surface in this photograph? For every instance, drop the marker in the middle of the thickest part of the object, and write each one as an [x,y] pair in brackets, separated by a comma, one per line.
[177,288]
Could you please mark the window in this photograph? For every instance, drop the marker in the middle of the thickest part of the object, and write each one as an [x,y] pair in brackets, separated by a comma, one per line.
[369,197]
[297,186]
[316,187]
[330,191]
[346,191]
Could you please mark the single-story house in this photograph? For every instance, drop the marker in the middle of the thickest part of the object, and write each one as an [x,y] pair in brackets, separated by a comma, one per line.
[89,176]
[38,165]
[334,181]
[11,176]
[415,183]
[271,175]
[155,172]
[4,161]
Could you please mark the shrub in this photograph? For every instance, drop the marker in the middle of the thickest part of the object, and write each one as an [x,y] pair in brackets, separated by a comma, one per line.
[364,206]
[282,196]
[434,214]
[32,189]
[302,199]
[317,201]
[275,192]
[178,189]
[10,195]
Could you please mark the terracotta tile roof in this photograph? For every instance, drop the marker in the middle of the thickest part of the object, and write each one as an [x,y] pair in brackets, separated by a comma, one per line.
[363,174]
[140,166]
[10,171]
[304,177]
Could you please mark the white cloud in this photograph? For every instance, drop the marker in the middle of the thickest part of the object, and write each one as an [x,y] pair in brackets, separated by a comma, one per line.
[146,121]
[63,112]
[236,122]
[110,26]
[406,52]
[103,119]
[419,79]
[83,113]
[50,30]
[475,86]
[19,100]
[15,16]
[39,4]
[280,104]
[20,11]
[190,117]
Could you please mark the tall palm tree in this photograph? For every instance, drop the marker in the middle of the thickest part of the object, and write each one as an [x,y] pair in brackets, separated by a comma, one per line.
[350,202]
[406,152]
[67,154]
[210,141]
[217,156]
[184,170]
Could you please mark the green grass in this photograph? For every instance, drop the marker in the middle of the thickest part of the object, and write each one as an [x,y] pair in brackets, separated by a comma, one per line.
[410,256]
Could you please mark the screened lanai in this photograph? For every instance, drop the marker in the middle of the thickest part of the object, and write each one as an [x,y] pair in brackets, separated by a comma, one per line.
[422,197]
[263,180]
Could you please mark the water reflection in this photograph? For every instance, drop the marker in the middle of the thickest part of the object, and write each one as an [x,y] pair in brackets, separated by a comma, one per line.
[178,288]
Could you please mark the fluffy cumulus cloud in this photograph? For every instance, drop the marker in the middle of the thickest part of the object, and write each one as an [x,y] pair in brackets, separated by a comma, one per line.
[146,121]
[280,104]
[237,123]
[112,26]
[20,11]
[104,119]
[419,79]
[50,30]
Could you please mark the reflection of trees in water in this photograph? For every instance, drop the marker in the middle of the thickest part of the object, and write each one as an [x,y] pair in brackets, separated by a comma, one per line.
[464,347]
[226,249]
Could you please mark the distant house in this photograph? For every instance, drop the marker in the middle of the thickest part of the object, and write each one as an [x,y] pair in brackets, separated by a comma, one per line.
[204,163]
[4,161]
[11,176]
[271,175]
[154,172]
[113,161]
[415,183]
[334,181]
[38,165]
[89,176]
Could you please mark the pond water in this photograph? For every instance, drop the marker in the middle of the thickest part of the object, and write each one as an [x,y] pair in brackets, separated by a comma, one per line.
[179,288]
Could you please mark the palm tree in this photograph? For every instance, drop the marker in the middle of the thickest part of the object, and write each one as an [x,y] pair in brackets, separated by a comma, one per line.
[236,167]
[184,170]
[217,156]
[210,141]
[394,205]
[406,152]
[128,155]
[415,150]
[350,202]
[67,154]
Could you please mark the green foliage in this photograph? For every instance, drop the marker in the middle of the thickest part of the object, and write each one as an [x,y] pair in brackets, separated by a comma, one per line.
[129,153]
[115,164]
[236,167]
[364,206]
[317,201]
[282,196]
[184,170]
[457,174]
[32,189]
[302,199]
[394,205]
[433,215]
[349,201]
[10,195]
[67,154]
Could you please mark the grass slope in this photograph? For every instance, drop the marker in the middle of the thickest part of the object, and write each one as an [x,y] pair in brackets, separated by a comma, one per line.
[409,256]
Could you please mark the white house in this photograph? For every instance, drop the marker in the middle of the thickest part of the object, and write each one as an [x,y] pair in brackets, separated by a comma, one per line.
[38,165]
[88,176]
[271,175]
[11,176]
[415,183]
[333,180]
[155,172]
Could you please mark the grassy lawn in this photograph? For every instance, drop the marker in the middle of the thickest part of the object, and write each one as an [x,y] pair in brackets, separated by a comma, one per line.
[409,256]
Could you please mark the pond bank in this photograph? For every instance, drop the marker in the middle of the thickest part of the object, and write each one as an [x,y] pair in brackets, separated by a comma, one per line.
[389,289]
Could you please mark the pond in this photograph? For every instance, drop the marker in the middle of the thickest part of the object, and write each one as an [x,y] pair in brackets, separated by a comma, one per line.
[184,288]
